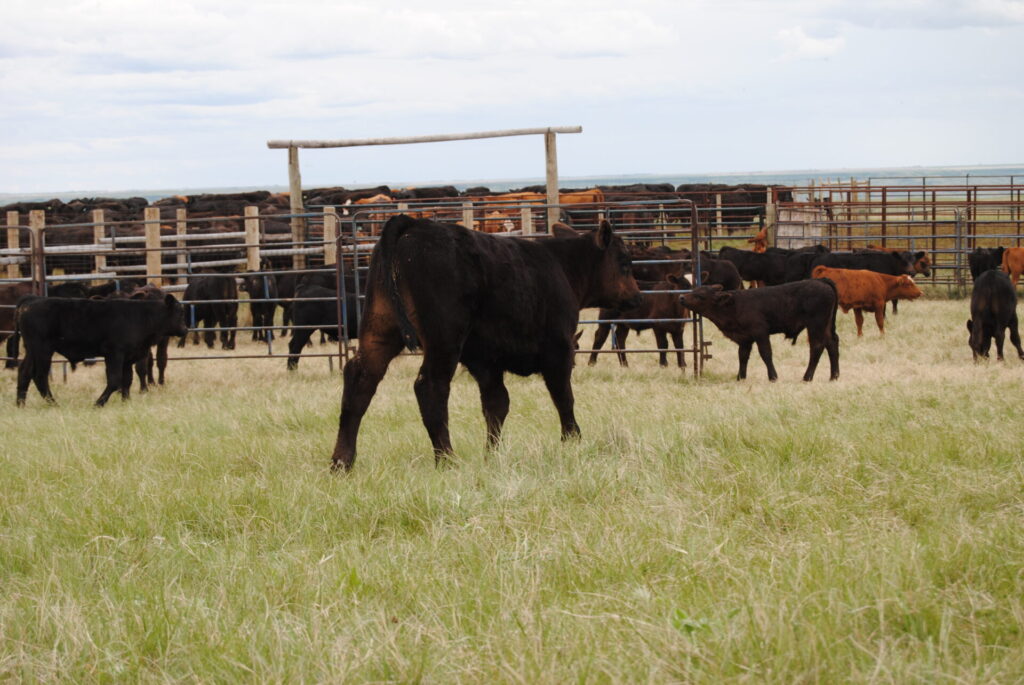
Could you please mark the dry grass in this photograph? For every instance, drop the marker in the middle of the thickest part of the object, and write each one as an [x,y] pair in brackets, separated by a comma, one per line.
[867,529]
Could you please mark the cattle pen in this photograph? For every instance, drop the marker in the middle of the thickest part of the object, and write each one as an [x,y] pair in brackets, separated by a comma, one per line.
[177,241]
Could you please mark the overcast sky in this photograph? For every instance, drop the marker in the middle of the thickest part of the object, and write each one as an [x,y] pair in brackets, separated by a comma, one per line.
[119,94]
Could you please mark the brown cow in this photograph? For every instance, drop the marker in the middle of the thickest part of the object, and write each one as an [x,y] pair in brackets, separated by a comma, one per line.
[760,240]
[863,290]
[1013,263]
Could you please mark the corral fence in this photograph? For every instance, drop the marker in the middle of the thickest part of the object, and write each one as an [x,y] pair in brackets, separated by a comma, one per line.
[170,249]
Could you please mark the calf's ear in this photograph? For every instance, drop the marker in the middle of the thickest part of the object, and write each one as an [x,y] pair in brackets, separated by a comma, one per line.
[604,234]
[169,300]
[722,299]
[919,255]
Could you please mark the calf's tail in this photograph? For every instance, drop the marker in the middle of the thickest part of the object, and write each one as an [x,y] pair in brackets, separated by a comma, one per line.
[387,274]
[835,304]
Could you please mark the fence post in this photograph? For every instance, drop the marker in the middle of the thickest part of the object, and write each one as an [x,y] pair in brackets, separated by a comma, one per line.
[98,218]
[467,214]
[330,236]
[181,228]
[154,257]
[527,220]
[771,214]
[551,179]
[36,223]
[13,243]
[295,199]
[718,214]
[252,238]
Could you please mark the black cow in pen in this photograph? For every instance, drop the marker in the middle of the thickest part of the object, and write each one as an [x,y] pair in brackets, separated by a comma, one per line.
[752,316]
[316,308]
[495,304]
[119,330]
[262,292]
[213,304]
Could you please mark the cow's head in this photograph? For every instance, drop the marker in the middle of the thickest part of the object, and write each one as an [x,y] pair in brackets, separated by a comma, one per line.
[610,279]
[922,263]
[978,341]
[906,289]
[706,299]
[174,317]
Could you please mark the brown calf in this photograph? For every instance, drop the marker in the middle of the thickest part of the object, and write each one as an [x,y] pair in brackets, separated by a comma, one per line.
[1013,263]
[863,290]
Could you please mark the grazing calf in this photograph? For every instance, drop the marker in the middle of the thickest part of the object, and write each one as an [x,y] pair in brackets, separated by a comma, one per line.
[984,258]
[752,316]
[317,314]
[760,268]
[658,305]
[495,304]
[121,331]
[216,312]
[1013,263]
[862,290]
[144,367]
[993,310]
[262,292]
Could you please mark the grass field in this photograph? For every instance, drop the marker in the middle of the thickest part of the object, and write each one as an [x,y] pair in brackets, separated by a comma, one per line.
[864,530]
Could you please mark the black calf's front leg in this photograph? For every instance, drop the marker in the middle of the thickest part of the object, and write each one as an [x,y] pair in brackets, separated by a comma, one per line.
[744,353]
[558,379]
[114,367]
[764,348]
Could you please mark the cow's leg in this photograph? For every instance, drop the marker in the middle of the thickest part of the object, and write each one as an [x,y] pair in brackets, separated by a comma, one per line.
[362,375]
[161,360]
[12,351]
[661,337]
[432,386]
[114,367]
[764,348]
[744,351]
[1000,336]
[209,334]
[858,315]
[619,343]
[677,342]
[126,378]
[27,375]
[817,346]
[298,340]
[228,327]
[880,319]
[600,335]
[1015,336]
[40,370]
[895,310]
[142,371]
[832,345]
[558,379]
[493,398]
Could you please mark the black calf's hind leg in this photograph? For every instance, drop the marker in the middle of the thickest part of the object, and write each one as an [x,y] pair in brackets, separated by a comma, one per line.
[1015,337]
[494,399]
[677,342]
[298,340]
[764,348]
[1000,336]
[432,386]
[817,346]
[114,366]
[619,343]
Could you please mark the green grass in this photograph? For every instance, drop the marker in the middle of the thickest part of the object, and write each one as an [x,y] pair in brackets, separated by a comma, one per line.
[862,530]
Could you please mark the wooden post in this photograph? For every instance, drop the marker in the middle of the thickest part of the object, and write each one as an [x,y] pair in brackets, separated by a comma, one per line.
[771,214]
[36,223]
[295,199]
[330,235]
[551,178]
[718,214]
[467,214]
[527,220]
[181,228]
[13,243]
[252,238]
[98,233]
[154,258]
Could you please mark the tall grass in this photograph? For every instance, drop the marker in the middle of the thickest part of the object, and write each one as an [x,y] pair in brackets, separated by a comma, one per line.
[867,529]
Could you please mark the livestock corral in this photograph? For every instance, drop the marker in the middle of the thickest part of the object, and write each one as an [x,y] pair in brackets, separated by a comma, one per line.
[699,529]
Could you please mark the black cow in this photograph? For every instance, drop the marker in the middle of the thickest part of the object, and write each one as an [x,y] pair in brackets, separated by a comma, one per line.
[984,258]
[717,272]
[495,304]
[144,367]
[217,312]
[993,310]
[752,316]
[287,284]
[262,292]
[659,306]
[762,268]
[120,331]
[318,314]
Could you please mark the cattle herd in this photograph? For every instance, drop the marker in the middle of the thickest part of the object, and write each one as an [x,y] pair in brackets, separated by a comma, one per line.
[497,305]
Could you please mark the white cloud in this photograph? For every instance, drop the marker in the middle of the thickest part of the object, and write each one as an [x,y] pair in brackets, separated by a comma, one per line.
[799,45]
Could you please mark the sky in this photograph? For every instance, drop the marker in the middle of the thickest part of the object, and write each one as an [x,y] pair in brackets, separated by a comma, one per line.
[136,94]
